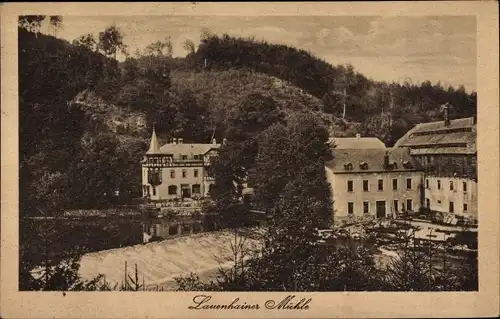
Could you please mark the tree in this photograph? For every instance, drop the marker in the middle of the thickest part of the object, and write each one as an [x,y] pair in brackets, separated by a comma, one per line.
[55,23]
[189,46]
[254,115]
[284,152]
[229,175]
[111,41]
[31,23]
[289,258]
[87,41]
[206,34]
[95,177]
[131,70]
[160,48]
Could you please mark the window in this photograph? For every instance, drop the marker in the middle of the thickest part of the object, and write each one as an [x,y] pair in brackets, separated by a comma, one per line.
[196,157]
[439,184]
[196,189]
[173,229]
[394,183]
[184,173]
[408,183]
[380,184]
[451,185]
[396,208]
[464,185]
[148,189]
[154,191]
[195,173]
[465,208]
[451,208]
[350,208]
[186,228]
[366,207]
[409,204]
[184,157]
[154,177]
[350,186]
[172,173]
[365,186]
[172,190]
[427,203]
[427,183]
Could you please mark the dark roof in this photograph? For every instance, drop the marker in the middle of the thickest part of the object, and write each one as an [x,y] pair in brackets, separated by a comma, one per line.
[373,157]
[356,142]
[459,137]
[187,149]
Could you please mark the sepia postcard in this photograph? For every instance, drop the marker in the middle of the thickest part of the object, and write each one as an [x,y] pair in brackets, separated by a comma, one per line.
[250,160]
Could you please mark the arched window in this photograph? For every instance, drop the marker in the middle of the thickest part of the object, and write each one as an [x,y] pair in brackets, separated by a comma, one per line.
[172,190]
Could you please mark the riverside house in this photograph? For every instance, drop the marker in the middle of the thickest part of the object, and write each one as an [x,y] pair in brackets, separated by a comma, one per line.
[370,180]
[447,151]
[177,170]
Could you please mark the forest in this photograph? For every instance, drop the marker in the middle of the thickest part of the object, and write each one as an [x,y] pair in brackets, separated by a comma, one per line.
[71,156]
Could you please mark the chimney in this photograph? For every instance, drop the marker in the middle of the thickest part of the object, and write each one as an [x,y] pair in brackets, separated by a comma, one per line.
[358,136]
[179,141]
[446,115]
[386,160]
[224,141]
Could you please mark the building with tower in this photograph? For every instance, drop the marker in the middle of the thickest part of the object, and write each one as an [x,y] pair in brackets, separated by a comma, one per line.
[177,170]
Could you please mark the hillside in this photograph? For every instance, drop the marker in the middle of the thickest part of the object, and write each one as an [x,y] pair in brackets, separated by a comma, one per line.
[386,110]
[222,92]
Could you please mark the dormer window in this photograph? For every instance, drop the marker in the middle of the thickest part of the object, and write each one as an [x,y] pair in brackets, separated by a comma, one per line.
[348,166]
[393,164]
[363,165]
[407,164]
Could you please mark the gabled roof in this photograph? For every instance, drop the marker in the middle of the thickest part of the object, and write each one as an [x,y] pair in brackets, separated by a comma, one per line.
[374,158]
[459,137]
[356,143]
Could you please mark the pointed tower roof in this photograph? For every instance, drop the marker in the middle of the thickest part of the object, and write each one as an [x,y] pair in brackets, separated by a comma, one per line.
[154,146]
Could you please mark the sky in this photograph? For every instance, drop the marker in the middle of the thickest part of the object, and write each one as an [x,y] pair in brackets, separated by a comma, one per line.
[412,48]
